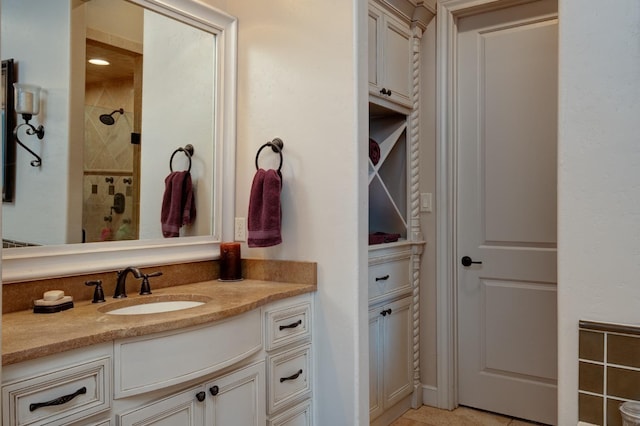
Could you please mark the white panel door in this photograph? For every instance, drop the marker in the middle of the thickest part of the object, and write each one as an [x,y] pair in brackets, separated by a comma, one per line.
[507,125]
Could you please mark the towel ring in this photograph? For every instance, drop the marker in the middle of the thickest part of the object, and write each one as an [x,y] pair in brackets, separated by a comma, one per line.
[188,151]
[276,146]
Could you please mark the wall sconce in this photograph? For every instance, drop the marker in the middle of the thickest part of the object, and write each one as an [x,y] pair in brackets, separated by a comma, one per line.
[27,103]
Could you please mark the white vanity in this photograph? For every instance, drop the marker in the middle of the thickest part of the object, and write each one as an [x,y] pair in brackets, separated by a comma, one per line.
[247,360]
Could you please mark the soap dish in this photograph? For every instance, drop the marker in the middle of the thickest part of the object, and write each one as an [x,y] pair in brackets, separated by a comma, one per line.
[42,306]
[53,308]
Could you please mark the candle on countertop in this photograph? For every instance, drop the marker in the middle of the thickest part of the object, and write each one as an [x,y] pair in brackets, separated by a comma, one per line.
[230,262]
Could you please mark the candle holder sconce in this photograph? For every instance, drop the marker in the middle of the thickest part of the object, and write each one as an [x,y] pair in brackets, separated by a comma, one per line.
[27,104]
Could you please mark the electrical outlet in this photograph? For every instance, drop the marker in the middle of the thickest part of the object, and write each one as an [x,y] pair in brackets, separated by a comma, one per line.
[240,233]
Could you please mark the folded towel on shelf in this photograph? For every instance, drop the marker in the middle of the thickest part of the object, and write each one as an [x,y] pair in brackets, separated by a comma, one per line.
[382,237]
[374,151]
[178,203]
[265,213]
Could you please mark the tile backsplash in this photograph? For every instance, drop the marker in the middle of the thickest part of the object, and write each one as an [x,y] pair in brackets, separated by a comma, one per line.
[609,371]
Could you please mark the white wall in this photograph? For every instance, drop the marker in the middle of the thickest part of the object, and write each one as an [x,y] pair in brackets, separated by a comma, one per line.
[297,81]
[598,179]
[33,36]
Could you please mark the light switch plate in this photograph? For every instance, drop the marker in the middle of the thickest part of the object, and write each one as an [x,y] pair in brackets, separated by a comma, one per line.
[426,200]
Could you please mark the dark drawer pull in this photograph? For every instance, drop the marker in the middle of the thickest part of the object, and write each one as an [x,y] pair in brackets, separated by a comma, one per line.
[58,401]
[384,278]
[201,396]
[214,390]
[292,325]
[292,377]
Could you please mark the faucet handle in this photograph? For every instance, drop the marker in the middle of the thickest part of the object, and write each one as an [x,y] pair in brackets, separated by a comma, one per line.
[98,293]
[145,287]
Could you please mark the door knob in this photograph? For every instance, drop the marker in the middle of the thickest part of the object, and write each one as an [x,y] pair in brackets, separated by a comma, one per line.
[467,261]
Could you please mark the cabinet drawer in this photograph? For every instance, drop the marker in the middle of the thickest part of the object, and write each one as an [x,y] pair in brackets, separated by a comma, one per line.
[289,377]
[106,422]
[288,325]
[389,278]
[156,361]
[300,415]
[58,397]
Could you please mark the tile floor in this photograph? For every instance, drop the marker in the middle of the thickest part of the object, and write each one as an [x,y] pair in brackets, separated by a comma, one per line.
[462,416]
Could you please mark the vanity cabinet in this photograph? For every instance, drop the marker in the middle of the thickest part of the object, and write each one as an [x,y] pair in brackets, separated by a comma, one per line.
[389,57]
[233,399]
[289,363]
[251,369]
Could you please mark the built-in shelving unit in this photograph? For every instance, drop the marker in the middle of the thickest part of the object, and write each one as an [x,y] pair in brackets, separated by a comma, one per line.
[388,207]
[393,178]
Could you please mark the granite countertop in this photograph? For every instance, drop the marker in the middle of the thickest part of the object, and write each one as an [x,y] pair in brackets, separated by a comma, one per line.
[26,335]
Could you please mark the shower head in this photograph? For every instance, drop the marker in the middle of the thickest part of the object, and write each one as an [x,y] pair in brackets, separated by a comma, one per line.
[108,118]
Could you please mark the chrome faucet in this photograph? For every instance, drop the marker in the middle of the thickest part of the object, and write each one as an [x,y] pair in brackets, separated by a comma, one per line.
[121,290]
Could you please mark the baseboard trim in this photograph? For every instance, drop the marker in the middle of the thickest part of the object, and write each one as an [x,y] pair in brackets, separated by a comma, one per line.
[392,413]
[430,396]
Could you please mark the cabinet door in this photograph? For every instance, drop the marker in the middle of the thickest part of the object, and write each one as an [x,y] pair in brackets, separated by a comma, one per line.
[397,60]
[238,398]
[397,332]
[183,409]
[375,363]
[390,57]
[375,50]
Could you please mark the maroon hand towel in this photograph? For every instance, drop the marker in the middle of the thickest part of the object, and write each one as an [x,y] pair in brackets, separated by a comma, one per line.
[178,203]
[265,212]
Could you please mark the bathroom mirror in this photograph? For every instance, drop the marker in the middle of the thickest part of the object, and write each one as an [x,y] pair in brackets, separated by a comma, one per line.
[201,114]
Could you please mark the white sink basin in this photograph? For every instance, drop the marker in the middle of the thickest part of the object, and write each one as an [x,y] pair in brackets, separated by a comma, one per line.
[155,307]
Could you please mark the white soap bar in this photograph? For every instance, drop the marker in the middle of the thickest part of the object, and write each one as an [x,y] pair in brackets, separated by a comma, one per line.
[42,302]
[53,295]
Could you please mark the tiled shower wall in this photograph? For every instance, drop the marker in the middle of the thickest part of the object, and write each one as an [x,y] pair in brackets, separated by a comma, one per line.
[609,371]
[108,162]
[100,223]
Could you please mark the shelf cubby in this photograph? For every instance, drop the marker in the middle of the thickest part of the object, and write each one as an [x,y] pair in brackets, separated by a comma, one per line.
[388,187]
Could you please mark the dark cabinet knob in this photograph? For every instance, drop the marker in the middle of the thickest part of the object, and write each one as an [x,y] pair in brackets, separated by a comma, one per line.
[214,390]
[200,396]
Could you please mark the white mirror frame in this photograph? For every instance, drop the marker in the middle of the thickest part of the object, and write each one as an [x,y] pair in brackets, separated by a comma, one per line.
[30,263]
